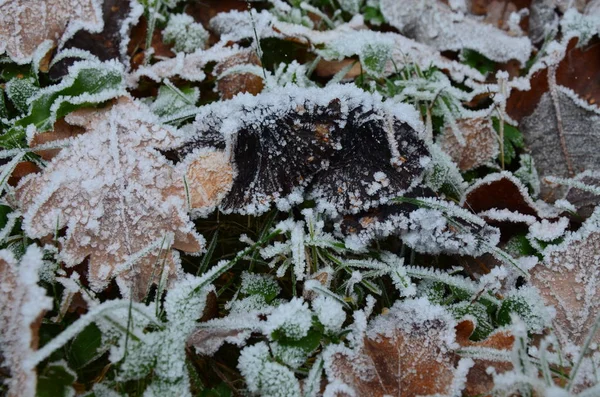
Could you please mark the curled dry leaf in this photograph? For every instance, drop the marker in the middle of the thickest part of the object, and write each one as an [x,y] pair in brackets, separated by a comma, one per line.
[22,306]
[120,199]
[231,82]
[568,279]
[408,351]
[445,29]
[24,24]
[481,143]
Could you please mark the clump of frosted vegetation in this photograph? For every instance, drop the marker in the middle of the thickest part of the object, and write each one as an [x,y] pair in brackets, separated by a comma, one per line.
[185,34]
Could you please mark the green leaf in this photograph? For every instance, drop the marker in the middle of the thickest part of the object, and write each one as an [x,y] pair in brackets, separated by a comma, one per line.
[88,83]
[517,305]
[484,325]
[4,211]
[513,139]
[308,343]
[172,100]
[373,57]
[86,347]
[477,61]
[3,109]
[220,391]
[56,380]
[20,90]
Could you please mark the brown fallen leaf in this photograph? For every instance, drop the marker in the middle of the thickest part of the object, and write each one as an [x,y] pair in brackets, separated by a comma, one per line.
[120,199]
[409,351]
[61,131]
[209,178]
[500,191]
[24,24]
[22,306]
[231,83]
[481,143]
[568,279]
[479,382]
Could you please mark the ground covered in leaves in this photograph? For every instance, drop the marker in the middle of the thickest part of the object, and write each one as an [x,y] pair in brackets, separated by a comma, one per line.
[299,198]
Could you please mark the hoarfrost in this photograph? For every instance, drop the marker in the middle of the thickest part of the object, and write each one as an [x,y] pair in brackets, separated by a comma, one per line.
[22,306]
[112,189]
[24,25]
[187,35]
[410,349]
[448,30]
[568,280]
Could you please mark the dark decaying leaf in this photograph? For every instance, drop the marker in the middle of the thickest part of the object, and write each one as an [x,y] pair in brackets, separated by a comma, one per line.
[105,44]
[500,191]
[341,143]
[584,200]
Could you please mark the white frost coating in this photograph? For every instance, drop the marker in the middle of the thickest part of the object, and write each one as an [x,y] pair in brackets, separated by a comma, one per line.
[22,303]
[344,41]
[293,319]
[504,215]
[330,312]
[434,23]
[24,25]
[569,280]
[187,35]
[547,231]
[187,66]
[265,377]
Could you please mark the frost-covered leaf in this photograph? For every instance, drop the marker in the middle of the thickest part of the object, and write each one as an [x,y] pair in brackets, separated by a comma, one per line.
[481,143]
[408,351]
[185,34]
[347,148]
[119,198]
[24,25]
[233,79]
[568,280]
[434,23]
[88,83]
[264,376]
[110,43]
[564,146]
[503,191]
[22,306]
[479,381]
